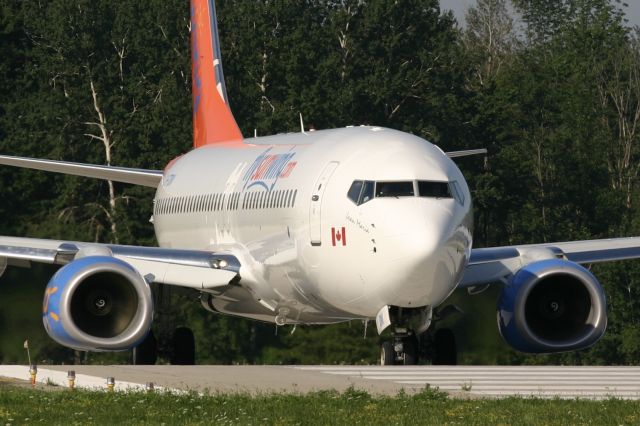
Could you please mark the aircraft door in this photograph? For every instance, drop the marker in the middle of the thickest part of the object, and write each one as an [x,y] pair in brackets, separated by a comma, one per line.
[315,226]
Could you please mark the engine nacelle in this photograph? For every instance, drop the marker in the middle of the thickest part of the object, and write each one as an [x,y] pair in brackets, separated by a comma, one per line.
[98,303]
[552,306]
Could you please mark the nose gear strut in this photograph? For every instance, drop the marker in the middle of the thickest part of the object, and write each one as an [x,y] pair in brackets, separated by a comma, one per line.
[407,346]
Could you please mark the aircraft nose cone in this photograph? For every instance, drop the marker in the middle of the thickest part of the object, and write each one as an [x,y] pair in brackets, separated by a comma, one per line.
[430,237]
[428,258]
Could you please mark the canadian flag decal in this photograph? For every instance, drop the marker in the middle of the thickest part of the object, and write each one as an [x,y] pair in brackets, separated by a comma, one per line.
[338,236]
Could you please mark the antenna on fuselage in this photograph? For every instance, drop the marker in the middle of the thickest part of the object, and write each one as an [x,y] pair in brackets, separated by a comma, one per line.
[302,125]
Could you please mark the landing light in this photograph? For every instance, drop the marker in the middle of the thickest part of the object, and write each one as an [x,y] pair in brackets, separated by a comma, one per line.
[219,263]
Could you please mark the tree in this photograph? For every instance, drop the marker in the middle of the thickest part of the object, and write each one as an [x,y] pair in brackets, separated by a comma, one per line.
[619,91]
[489,36]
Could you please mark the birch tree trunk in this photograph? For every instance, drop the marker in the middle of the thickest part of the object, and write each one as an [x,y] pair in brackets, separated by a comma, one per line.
[619,93]
[104,136]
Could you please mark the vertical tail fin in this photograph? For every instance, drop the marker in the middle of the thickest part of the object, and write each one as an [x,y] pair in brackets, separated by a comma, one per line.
[213,121]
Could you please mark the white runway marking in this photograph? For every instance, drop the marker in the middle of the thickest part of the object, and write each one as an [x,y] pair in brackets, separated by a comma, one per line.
[498,381]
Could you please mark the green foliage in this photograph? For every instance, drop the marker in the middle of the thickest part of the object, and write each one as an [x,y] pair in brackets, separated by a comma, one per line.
[327,407]
[391,64]
[68,50]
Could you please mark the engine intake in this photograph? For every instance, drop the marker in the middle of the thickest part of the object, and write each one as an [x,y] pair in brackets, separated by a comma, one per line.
[98,303]
[552,306]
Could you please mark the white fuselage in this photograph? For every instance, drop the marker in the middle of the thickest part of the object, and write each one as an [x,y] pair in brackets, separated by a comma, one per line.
[307,250]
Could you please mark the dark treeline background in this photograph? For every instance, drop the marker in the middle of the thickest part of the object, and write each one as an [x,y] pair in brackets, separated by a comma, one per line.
[556,102]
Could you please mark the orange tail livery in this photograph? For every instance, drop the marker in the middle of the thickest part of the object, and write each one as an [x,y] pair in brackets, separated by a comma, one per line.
[213,121]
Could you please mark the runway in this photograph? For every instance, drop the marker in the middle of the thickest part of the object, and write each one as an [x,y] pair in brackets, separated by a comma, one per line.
[459,381]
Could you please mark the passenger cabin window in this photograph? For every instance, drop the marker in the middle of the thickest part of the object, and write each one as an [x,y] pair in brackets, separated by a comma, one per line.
[434,189]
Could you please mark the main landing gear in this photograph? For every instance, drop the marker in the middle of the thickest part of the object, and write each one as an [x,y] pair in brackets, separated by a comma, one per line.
[181,350]
[445,351]
[178,345]
[146,353]
[183,347]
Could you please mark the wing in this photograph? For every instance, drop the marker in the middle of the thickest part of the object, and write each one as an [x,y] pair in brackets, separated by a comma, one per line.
[187,268]
[488,265]
[465,153]
[143,177]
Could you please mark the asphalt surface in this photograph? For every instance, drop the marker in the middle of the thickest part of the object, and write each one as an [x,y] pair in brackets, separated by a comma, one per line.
[459,381]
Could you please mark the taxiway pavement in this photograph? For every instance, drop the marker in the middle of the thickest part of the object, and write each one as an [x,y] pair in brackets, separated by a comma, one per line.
[460,381]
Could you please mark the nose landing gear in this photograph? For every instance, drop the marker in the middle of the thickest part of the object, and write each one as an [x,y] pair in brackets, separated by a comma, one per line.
[414,337]
[401,350]
[405,348]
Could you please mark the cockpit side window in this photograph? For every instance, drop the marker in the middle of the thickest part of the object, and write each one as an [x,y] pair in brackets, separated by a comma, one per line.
[354,191]
[394,189]
[457,192]
[433,189]
[361,191]
[367,192]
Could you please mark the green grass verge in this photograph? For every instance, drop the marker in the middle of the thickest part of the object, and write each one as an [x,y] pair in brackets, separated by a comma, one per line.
[353,407]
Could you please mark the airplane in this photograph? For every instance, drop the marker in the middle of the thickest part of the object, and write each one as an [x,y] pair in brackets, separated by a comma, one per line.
[316,227]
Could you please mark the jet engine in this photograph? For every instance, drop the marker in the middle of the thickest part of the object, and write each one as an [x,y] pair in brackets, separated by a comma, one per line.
[552,305]
[98,303]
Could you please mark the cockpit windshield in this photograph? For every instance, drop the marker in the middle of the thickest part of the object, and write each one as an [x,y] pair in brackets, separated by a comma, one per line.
[434,189]
[362,191]
[394,189]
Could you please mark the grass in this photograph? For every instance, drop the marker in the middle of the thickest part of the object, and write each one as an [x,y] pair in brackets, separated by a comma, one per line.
[353,407]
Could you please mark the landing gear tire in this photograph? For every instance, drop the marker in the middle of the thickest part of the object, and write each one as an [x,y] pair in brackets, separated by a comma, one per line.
[184,347]
[387,353]
[408,355]
[146,353]
[446,352]
[410,347]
